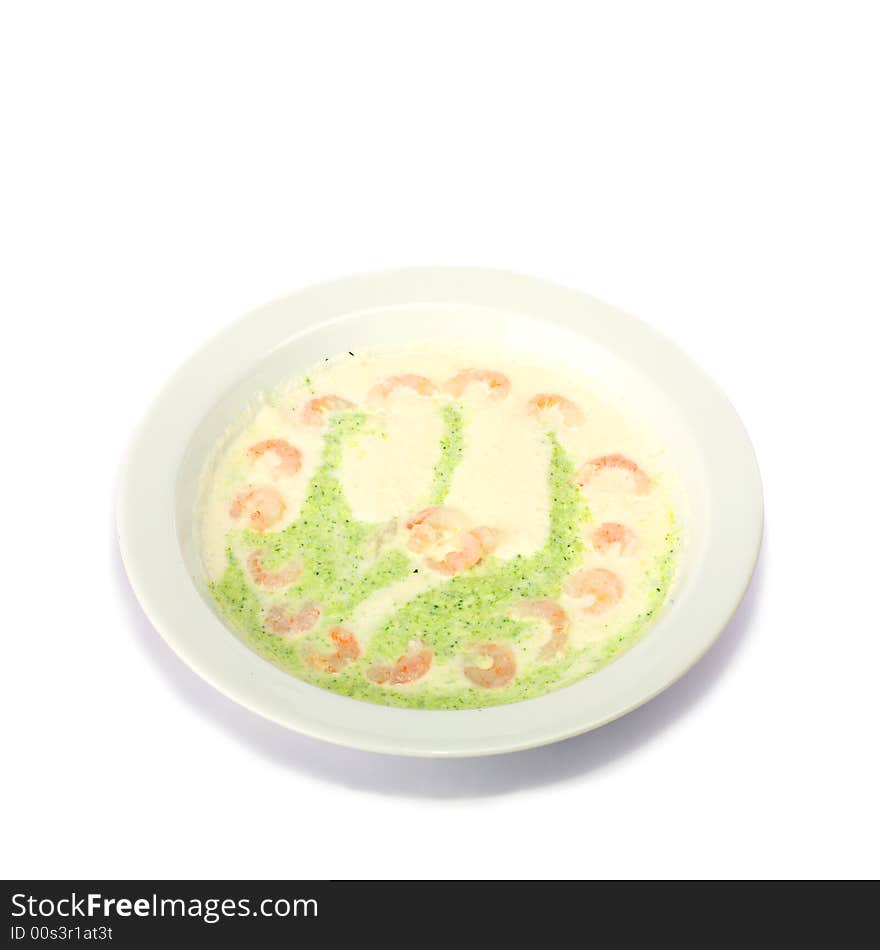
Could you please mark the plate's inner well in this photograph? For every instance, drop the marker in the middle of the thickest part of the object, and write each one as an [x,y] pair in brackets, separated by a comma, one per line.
[439,527]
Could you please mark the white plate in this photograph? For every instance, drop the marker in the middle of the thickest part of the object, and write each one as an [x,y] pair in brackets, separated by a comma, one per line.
[707,442]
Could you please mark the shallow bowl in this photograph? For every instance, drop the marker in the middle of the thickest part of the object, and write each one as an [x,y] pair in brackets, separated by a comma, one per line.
[708,445]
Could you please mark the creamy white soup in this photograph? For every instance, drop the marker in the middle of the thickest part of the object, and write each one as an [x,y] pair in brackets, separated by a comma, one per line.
[439,528]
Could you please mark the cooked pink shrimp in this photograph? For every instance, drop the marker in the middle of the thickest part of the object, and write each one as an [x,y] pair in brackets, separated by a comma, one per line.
[497,383]
[641,482]
[263,504]
[411,666]
[420,384]
[488,538]
[347,651]
[469,553]
[500,673]
[315,411]
[286,623]
[544,402]
[613,532]
[290,456]
[603,587]
[272,580]
[555,616]
[430,525]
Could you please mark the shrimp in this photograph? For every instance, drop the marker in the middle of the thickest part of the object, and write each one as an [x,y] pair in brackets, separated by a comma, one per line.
[613,532]
[286,623]
[411,666]
[500,673]
[272,580]
[430,525]
[604,587]
[290,456]
[315,411]
[641,482]
[544,402]
[498,383]
[263,503]
[555,616]
[488,538]
[420,384]
[347,651]
[470,553]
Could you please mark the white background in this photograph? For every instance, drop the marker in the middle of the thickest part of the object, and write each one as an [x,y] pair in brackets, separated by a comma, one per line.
[711,167]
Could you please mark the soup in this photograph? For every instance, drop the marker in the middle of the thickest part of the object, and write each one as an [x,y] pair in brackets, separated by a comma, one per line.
[439,528]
